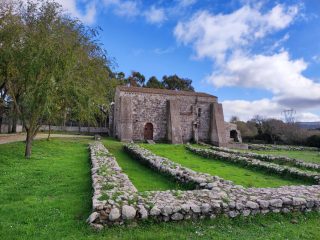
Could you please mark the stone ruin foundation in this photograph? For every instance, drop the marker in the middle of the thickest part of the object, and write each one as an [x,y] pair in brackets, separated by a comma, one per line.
[116,200]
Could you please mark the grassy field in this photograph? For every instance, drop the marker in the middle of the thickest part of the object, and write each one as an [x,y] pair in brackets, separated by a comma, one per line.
[229,171]
[308,156]
[49,197]
[144,178]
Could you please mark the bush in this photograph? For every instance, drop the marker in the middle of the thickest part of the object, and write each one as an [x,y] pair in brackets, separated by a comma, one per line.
[314,141]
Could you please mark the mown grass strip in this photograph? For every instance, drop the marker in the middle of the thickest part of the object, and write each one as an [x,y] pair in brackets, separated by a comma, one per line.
[49,197]
[272,158]
[308,156]
[143,177]
[229,171]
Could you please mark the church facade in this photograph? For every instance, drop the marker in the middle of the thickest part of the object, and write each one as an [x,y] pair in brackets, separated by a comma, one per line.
[171,116]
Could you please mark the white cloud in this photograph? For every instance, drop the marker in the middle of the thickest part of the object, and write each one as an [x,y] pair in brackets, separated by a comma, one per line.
[123,8]
[308,117]
[155,15]
[276,73]
[267,108]
[127,9]
[228,40]
[88,16]
[213,36]
[245,110]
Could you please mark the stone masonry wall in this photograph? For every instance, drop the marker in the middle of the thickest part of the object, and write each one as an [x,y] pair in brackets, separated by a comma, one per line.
[152,108]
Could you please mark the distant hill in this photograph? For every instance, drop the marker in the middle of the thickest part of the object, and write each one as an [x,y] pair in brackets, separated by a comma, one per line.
[309,125]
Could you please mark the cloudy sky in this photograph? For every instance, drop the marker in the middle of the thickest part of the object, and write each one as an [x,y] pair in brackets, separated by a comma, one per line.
[258,57]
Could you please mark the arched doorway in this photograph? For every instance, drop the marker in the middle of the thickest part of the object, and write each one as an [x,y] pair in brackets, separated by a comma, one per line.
[148,131]
[234,135]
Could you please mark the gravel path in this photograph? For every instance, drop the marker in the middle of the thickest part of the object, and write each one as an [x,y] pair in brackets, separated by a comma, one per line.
[8,138]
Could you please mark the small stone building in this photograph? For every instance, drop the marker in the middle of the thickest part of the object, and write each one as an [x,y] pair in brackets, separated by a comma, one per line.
[171,116]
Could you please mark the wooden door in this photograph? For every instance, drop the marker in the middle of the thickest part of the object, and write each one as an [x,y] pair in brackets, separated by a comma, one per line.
[148,131]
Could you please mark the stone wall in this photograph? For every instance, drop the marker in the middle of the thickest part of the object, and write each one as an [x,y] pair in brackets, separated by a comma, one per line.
[152,107]
[116,200]
[75,129]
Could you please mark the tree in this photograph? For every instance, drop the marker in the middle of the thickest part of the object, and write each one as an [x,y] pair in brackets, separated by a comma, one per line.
[136,79]
[60,66]
[234,119]
[176,83]
[153,82]
[11,27]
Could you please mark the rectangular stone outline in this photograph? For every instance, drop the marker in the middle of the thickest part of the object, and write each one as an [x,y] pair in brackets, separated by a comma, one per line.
[223,198]
[270,158]
[252,162]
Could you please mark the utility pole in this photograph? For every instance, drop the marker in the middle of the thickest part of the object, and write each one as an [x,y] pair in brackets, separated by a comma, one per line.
[289,115]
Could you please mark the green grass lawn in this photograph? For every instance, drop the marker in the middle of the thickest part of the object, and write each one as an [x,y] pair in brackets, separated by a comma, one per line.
[49,197]
[229,171]
[308,156]
[143,178]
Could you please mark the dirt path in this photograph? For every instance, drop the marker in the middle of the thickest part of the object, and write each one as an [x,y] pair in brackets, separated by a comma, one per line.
[8,138]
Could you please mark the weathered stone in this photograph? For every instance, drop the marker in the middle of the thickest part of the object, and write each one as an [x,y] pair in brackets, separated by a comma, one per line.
[205,208]
[252,205]
[239,206]
[246,212]
[114,214]
[166,211]
[155,211]
[263,204]
[177,216]
[96,226]
[276,203]
[128,212]
[298,201]
[195,208]
[233,214]
[93,216]
[143,212]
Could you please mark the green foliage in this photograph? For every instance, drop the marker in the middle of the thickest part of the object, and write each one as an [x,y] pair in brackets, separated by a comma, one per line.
[54,65]
[174,82]
[314,141]
[153,82]
[136,79]
[49,197]
[229,171]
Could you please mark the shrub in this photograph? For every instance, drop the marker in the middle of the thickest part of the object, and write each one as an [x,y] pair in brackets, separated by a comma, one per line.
[314,141]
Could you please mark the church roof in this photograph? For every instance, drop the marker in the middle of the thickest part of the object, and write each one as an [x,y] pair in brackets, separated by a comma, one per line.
[163,91]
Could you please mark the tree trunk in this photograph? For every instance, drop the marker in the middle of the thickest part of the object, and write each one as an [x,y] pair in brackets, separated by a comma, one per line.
[28,144]
[49,132]
[1,123]
[14,125]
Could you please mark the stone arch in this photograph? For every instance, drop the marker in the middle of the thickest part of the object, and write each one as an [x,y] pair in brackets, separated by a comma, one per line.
[148,131]
[234,135]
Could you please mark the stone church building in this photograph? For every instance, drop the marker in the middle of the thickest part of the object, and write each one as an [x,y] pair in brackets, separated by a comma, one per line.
[167,115]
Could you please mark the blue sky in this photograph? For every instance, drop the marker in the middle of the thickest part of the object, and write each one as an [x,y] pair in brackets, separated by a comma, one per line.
[258,57]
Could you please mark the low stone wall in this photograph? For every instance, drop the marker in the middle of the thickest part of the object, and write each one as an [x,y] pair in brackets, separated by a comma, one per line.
[175,170]
[251,162]
[75,129]
[281,147]
[6,128]
[116,200]
[271,158]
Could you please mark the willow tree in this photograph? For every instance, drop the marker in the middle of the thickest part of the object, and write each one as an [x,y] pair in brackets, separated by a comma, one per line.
[61,66]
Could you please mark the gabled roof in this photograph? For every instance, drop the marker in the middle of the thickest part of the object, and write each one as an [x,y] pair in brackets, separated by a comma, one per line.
[163,91]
